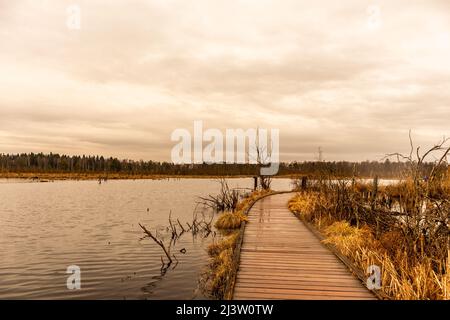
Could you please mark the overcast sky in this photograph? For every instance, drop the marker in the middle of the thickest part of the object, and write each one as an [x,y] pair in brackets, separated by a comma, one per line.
[350,76]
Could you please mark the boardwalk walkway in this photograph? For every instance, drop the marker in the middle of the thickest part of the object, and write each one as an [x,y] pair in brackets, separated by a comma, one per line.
[282,259]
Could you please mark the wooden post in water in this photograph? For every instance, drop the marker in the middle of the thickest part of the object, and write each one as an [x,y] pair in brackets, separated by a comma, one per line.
[374,200]
[375,189]
[304,183]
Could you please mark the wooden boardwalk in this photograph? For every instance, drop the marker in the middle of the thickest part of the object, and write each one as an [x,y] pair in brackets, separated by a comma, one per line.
[282,259]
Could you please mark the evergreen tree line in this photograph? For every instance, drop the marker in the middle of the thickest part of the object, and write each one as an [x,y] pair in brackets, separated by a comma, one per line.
[55,163]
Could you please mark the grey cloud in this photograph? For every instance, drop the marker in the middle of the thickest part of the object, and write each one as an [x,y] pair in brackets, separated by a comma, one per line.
[140,69]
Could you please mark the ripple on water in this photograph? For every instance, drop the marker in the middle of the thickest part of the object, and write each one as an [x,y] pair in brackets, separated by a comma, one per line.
[47,227]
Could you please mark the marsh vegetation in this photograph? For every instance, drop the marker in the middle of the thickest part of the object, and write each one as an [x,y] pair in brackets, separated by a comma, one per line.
[218,277]
[403,228]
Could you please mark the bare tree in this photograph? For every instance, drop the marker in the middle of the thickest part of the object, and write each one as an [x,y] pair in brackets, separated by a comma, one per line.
[424,202]
[263,157]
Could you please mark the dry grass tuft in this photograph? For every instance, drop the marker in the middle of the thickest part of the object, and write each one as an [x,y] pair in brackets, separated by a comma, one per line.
[220,266]
[400,280]
[305,205]
[230,220]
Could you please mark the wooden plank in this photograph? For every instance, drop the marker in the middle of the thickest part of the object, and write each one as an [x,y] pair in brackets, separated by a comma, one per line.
[311,285]
[275,296]
[295,266]
[272,255]
[300,275]
[282,259]
[299,282]
[303,291]
[296,270]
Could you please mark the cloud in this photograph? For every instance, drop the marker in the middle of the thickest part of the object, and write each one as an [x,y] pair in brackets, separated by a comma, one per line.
[138,70]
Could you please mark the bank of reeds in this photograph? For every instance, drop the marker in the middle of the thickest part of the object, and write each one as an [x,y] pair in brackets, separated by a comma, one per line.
[219,273]
[403,228]
[411,268]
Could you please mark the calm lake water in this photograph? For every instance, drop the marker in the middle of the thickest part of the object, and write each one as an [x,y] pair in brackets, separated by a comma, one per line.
[46,227]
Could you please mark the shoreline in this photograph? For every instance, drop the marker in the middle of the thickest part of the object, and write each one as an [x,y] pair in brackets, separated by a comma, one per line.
[36,176]
[44,177]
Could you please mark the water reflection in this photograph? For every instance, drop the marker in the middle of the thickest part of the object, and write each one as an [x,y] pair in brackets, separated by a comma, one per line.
[45,227]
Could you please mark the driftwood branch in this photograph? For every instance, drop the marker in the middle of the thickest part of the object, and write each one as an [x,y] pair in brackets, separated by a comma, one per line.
[158,241]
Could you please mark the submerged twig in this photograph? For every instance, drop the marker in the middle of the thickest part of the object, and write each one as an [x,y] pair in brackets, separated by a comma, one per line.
[158,241]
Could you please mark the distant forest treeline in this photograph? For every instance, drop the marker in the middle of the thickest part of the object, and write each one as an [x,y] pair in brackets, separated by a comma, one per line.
[55,163]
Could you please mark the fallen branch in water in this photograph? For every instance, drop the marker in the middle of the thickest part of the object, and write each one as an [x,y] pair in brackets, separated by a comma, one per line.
[159,242]
[182,228]
[201,227]
[172,227]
